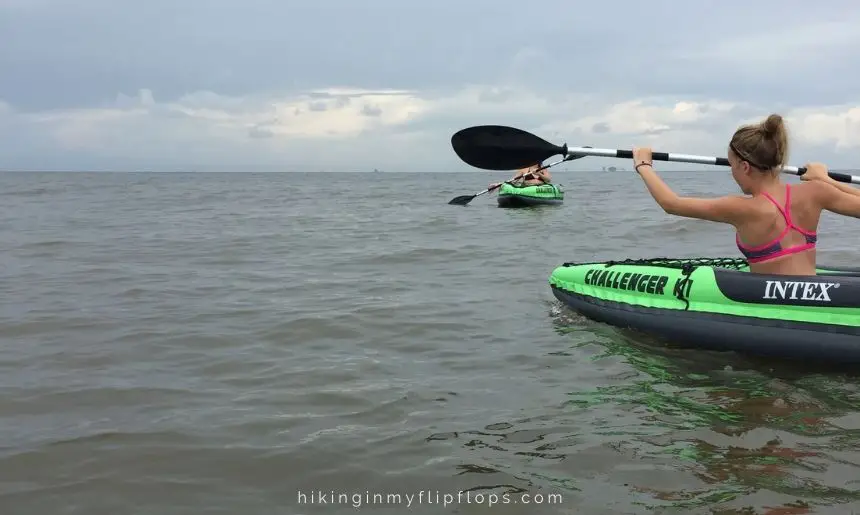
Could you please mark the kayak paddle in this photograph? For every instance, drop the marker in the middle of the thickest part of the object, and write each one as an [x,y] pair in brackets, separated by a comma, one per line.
[497,147]
[462,200]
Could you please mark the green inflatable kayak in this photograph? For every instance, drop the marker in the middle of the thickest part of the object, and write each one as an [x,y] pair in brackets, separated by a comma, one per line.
[535,195]
[718,304]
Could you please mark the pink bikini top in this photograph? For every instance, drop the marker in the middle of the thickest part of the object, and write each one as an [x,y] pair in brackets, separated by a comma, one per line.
[774,249]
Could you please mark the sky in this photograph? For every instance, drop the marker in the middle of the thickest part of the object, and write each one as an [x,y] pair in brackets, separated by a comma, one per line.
[352,86]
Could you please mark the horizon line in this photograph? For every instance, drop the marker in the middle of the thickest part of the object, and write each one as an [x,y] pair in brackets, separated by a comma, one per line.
[238,169]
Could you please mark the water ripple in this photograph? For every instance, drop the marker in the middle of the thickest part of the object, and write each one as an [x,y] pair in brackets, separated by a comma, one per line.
[231,342]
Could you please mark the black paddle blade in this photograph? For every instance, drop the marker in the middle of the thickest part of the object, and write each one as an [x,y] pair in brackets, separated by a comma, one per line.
[462,200]
[497,147]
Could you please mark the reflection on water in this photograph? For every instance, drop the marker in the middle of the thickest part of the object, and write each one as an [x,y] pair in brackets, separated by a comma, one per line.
[737,427]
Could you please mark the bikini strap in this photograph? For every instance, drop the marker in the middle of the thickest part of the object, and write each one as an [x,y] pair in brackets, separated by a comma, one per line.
[784,212]
[787,211]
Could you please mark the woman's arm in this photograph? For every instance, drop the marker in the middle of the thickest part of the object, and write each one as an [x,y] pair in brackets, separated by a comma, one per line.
[519,176]
[841,186]
[731,209]
[526,174]
[544,176]
[832,198]
[818,172]
[844,188]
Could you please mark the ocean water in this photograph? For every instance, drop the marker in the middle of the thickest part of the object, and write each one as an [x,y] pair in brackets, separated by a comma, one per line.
[338,343]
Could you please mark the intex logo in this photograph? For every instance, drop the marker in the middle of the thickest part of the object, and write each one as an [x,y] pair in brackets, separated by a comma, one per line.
[794,290]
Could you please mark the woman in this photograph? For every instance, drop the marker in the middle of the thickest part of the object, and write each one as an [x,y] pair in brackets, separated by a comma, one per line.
[776,225]
[536,177]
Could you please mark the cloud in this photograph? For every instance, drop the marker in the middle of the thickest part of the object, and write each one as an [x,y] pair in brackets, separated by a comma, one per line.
[349,129]
[384,84]
[839,126]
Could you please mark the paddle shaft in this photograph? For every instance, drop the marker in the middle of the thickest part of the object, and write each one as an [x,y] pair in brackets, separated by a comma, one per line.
[499,147]
[690,158]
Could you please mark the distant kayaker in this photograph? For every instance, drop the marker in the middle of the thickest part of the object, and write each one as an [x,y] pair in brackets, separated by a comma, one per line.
[537,177]
[776,223]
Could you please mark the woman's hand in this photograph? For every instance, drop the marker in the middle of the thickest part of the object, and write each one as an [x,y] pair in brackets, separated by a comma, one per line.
[494,185]
[641,155]
[815,172]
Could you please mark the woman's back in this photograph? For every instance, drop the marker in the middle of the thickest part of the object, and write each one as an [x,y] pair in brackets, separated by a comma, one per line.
[780,235]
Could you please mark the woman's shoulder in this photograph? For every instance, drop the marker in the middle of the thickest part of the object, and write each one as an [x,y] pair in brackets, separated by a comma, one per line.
[809,190]
[752,205]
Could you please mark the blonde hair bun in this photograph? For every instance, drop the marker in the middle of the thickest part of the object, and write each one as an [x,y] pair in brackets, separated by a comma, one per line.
[773,125]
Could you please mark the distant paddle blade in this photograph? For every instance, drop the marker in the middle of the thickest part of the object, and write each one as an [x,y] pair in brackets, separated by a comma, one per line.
[497,147]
